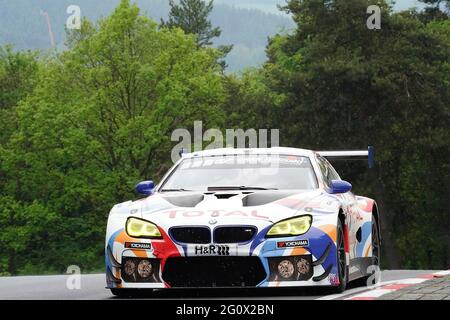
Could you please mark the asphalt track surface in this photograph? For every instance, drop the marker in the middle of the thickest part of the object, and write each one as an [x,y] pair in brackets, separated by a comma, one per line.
[93,288]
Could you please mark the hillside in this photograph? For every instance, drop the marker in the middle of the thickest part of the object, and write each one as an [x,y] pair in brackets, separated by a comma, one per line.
[23,25]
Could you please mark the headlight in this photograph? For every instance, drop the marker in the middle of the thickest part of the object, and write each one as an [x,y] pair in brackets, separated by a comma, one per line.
[138,228]
[291,227]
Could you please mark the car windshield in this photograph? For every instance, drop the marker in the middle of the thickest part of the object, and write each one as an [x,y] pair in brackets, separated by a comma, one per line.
[242,172]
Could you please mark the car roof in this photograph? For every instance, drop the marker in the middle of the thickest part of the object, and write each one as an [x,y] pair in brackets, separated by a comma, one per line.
[251,151]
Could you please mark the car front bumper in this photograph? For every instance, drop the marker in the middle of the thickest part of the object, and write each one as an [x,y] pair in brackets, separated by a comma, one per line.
[307,260]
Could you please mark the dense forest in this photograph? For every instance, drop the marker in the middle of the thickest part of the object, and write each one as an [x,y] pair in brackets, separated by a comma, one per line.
[23,24]
[81,126]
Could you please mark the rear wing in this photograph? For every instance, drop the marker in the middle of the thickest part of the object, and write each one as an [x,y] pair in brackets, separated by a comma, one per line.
[368,154]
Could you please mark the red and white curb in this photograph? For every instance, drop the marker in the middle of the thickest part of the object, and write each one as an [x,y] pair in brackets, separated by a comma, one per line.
[397,285]
[382,288]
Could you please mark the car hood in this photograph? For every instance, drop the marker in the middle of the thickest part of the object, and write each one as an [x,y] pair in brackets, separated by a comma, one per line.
[231,208]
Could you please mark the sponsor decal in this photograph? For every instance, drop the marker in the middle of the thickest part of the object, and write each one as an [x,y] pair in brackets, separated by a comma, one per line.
[293,243]
[137,245]
[175,214]
[211,250]
[334,279]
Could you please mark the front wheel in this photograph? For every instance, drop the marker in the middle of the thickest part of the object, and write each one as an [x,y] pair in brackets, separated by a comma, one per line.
[341,259]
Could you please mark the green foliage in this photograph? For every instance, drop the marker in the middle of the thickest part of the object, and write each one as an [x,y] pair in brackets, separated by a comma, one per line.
[99,120]
[192,16]
[349,87]
[17,78]
[250,103]
[81,127]
[24,228]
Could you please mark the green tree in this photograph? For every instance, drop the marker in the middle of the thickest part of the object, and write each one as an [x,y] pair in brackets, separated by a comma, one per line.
[22,224]
[192,16]
[17,79]
[24,228]
[345,87]
[100,119]
[250,103]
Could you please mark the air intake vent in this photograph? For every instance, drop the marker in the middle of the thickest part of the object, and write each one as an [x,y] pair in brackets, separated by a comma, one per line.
[224,195]
[213,272]
[191,234]
[186,201]
[264,197]
[234,234]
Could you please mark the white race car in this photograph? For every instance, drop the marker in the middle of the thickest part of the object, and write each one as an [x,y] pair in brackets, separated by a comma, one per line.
[276,217]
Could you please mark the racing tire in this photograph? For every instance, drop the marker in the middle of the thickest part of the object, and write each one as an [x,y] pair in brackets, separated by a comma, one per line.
[341,259]
[130,293]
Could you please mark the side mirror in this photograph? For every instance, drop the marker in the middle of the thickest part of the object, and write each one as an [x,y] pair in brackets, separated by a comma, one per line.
[340,186]
[145,188]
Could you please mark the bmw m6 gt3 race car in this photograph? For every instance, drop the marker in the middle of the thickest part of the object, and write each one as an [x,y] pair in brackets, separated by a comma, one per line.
[277,217]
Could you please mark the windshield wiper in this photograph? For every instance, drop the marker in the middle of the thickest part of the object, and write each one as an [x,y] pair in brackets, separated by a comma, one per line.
[226,188]
[174,190]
